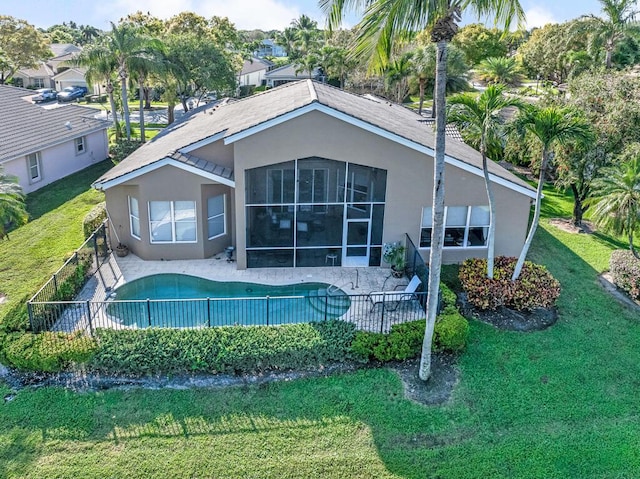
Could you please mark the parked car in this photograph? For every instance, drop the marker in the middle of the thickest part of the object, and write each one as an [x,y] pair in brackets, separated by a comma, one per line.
[45,94]
[71,93]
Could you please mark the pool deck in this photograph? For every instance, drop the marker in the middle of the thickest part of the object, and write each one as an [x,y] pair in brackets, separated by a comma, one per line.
[353,281]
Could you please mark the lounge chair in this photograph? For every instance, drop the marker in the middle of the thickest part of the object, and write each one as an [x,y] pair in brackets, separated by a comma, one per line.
[395,296]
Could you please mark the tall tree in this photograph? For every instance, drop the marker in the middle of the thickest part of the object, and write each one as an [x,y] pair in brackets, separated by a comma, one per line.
[617,196]
[619,15]
[424,70]
[397,77]
[12,208]
[478,42]
[480,119]
[101,67]
[549,126]
[383,24]
[22,46]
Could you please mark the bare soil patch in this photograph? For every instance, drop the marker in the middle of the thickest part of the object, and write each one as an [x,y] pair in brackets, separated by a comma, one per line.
[3,297]
[566,224]
[436,390]
[508,319]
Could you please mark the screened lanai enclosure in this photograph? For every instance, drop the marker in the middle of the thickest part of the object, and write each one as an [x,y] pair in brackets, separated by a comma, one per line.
[315,212]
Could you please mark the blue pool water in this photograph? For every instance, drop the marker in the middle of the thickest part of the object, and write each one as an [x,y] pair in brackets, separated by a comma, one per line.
[180,301]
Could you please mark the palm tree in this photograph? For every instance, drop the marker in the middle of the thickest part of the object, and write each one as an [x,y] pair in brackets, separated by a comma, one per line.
[503,70]
[424,70]
[397,77]
[550,126]
[387,21]
[617,196]
[12,208]
[100,65]
[127,45]
[480,120]
[619,16]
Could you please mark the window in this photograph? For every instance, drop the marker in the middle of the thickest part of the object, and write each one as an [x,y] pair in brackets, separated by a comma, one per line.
[80,145]
[33,163]
[172,221]
[464,226]
[215,216]
[134,217]
[38,82]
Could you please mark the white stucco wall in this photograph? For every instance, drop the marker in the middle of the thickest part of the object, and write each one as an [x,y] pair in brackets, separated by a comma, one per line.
[59,161]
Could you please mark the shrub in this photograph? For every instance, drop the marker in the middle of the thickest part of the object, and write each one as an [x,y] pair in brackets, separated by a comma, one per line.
[119,151]
[222,350]
[625,269]
[404,341]
[534,288]
[449,298]
[94,219]
[451,331]
[48,352]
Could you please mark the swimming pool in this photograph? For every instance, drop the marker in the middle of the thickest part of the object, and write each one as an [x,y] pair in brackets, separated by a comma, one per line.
[183,301]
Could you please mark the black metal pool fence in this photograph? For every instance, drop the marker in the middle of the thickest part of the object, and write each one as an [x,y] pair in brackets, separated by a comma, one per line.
[55,307]
[377,313]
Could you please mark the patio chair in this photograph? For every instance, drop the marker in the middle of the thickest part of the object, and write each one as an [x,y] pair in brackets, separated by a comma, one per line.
[395,296]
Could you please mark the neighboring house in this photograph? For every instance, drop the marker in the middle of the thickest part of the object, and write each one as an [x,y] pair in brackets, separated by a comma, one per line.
[269,48]
[304,175]
[253,72]
[41,145]
[287,74]
[56,72]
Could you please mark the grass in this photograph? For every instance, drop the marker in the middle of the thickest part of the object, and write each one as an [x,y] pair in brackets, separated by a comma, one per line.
[35,251]
[555,404]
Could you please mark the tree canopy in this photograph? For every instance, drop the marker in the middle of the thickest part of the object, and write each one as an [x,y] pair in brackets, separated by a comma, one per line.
[21,46]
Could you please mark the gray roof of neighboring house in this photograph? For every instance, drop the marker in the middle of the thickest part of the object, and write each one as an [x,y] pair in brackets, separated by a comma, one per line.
[256,65]
[43,70]
[226,119]
[289,71]
[81,70]
[59,49]
[26,127]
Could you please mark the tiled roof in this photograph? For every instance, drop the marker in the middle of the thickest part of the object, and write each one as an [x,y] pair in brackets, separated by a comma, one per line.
[289,71]
[59,49]
[222,120]
[43,70]
[26,127]
[255,65]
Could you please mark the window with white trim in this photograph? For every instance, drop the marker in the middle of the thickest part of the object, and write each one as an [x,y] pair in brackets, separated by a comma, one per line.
[464,226]
[81,146]
[216,222]
[134,217]
[172,221]
[33,164]
[38,82]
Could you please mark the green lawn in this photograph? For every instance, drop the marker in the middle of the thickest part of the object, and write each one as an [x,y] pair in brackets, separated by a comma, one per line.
[560,403]
[35,251]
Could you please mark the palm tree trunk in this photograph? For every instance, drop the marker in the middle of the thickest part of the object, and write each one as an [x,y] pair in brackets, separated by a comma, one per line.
[536,216]
[170,116]
[422,81]
[141,95]
[125,102]
[437,230]
[112,104]
[492,212]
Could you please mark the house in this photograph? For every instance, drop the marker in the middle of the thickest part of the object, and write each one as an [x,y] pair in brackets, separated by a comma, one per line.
[56,72]
[269,48]
[41,145]
[253,72]
[305,175]
[289,73]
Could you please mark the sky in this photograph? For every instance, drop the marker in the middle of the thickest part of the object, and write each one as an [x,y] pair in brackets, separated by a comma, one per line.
[246,14]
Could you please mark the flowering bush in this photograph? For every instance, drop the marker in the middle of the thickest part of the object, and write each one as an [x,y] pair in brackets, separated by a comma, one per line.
[535,288]
[625,269]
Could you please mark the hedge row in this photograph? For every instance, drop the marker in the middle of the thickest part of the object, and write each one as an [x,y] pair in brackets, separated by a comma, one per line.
[625,269]
[236,350]
[535,288]
[404,341]
[94,219]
